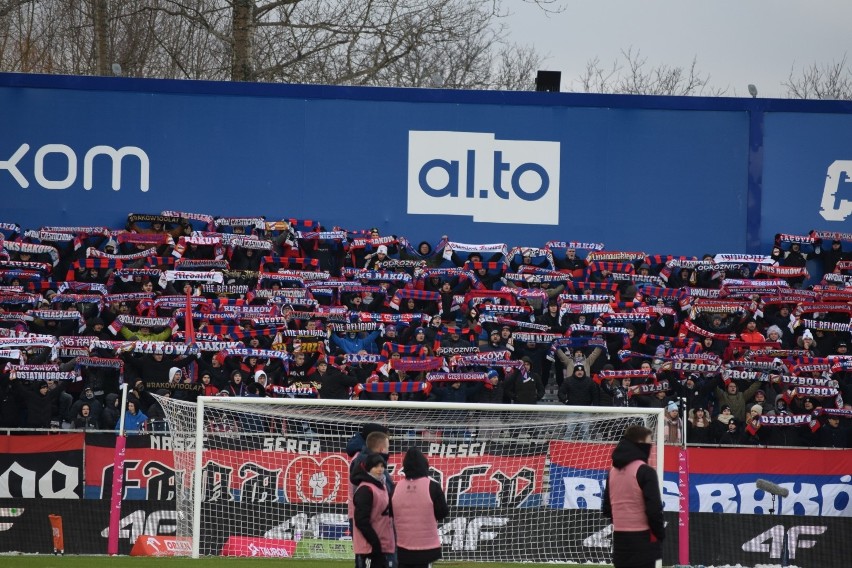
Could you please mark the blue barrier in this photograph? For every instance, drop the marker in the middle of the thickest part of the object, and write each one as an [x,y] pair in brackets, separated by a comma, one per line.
[678,175]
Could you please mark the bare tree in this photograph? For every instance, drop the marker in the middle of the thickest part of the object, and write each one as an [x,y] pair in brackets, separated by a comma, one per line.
[832,81]
[450,43]
[479,58]
[8,6]
[44,37]
[517,68]
[99,18]
[632,75]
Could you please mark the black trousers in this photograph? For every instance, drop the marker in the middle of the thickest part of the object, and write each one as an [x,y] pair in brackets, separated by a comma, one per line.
[635,550]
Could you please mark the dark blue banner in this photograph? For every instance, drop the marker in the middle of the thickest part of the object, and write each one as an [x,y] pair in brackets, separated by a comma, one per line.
[518,173]
[682,175]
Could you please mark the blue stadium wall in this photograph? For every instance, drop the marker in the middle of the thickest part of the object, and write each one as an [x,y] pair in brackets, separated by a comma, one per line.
[680,175]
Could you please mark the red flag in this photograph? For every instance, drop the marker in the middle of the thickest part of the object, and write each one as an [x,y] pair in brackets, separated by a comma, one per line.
[753,426]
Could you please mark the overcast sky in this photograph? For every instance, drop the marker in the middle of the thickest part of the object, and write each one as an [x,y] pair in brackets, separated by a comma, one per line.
[735,42]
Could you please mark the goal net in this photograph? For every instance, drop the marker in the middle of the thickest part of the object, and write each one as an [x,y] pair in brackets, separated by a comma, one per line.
[270,477]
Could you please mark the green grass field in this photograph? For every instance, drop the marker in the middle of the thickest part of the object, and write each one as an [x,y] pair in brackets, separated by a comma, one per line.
[45,561]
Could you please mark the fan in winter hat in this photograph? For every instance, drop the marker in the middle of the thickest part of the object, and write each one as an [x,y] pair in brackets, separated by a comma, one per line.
[373,460]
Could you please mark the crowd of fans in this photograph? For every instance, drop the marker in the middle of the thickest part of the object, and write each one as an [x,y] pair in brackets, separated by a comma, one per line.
[749,349]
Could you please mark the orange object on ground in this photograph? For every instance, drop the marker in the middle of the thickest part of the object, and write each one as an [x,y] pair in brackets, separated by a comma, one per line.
[58,535]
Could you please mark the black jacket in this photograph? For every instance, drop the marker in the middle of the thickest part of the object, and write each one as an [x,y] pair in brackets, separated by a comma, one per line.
[95,407]
[9,409]
[614,394]
[363,500]
[525,391]
[85,423]
[334,384]
[39,407]
[579,391]
[218,375]
[111,411]
[152,371]
[829,437]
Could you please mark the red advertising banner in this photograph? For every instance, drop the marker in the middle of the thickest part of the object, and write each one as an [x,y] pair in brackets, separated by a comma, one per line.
[37,444]
[47,467]
[294,473]
[721,479]
[156,545]
[256,547]
[148,473]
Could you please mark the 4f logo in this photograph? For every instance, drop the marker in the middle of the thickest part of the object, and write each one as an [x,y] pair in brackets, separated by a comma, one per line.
[837,179]
[491,180]
[775,540]
[7,516]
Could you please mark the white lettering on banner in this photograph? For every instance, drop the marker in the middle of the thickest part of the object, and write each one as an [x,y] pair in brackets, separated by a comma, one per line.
[116,156]
[808,499]
[582,493]
[477,175]
[834,494]
[270,444]
[314,525]
[717,497]
[456,450]
[67,476]
[838,177]
[600,539]
[179,546]
[772,540]
[462,533]
[179,443]
[162,523]
[671,496]
[268,551]
[292,445]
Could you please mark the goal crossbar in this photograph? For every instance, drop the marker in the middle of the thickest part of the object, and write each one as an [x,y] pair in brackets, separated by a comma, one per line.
[503,427]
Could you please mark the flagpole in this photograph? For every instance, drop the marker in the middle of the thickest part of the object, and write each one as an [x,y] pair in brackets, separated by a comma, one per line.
[683,490]
[117,477]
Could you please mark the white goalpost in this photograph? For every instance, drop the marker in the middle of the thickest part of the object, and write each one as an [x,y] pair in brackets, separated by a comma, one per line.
[270,477]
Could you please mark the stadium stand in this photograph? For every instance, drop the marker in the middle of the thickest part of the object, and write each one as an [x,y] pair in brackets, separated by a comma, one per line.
[750,349]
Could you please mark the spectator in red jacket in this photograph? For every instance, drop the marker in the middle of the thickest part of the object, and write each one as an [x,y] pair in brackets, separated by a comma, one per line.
[750,333]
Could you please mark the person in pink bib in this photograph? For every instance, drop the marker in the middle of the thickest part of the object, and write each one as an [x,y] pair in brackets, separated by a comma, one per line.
[632,500]
[373,539]
[418,504]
